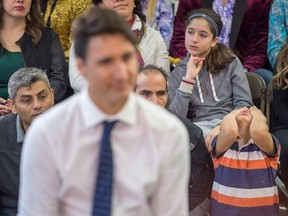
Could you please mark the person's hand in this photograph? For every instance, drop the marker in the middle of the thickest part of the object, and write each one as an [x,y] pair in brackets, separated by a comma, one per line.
[236,112]
[4,109]
[194,66]
[215,131]
[255,112]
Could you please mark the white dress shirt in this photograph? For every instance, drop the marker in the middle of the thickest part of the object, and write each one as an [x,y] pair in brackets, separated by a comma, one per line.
[61,151]
[152,48]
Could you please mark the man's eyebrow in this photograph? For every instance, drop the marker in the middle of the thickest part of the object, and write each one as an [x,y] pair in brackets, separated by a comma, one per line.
[106,60]
[145,91]
[41,92]
[25,95]
[162,91]
[128,54]
[22,96]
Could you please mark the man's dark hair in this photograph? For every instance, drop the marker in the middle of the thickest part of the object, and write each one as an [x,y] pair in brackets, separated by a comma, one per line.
[152,67]
[25,77]
[155,69]
[99,22]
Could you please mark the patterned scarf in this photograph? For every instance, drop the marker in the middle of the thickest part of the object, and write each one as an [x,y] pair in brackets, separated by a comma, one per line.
[137,33]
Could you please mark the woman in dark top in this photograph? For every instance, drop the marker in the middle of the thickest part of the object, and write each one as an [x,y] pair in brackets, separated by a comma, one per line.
[279,121]
[24,42]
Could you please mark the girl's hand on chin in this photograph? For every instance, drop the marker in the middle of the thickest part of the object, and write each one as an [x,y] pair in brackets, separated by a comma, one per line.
[194,66]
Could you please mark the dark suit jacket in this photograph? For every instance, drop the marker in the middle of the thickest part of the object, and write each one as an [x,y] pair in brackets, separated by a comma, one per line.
[10,151]
[249,32]
[279,120]
[202,170]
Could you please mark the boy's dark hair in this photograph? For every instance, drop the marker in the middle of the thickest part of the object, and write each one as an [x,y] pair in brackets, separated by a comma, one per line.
[99,22]
[219,56]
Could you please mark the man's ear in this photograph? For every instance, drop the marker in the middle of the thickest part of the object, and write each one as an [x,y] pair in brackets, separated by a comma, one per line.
[11,105]
[52,95]
[81,66]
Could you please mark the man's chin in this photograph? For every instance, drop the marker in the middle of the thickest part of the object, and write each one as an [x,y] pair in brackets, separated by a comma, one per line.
[119,98]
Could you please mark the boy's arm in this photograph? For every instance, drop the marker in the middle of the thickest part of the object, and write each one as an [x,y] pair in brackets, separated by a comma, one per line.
[228,132]
[259,131]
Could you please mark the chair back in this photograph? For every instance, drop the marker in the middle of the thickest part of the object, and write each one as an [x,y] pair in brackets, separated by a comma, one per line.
[269,100]
[258,88]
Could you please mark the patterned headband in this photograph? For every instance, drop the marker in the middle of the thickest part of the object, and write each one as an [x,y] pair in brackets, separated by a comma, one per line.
[207,18]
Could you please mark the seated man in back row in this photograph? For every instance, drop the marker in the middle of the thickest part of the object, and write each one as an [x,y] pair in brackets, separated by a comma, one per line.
[152,84]
[30,95]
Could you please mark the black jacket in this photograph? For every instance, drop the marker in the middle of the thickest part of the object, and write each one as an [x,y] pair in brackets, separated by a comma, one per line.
[202,170]
[10,152]
[279,115]
[47,55]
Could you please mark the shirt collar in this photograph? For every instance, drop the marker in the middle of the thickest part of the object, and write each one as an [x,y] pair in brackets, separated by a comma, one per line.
[137,24]
[245,145]
[19,129]
[92,115]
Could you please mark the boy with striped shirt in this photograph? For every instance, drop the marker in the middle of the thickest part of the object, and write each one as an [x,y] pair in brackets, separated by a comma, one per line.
[245,159]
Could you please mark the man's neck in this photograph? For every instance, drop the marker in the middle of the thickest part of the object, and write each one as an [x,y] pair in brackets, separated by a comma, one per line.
[24,126]
[106,107]
[20,130]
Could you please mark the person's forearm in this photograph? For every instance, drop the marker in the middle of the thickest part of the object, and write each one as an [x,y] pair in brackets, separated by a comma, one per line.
[228,133]
[260,135]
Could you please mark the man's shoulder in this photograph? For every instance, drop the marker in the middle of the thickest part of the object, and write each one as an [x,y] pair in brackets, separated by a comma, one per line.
[8,119]
[8,129]
[156,114]
[152,109]
[190,125]
[195,134]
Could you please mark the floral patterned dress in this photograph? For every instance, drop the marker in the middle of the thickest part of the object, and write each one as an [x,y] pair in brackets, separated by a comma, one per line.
[278,29]
[164,19]
[62,16]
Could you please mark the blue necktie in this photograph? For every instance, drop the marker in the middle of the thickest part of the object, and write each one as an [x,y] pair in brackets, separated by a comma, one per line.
[103,190]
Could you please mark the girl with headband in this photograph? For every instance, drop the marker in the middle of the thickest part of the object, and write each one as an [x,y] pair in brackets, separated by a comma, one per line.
[210,81]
